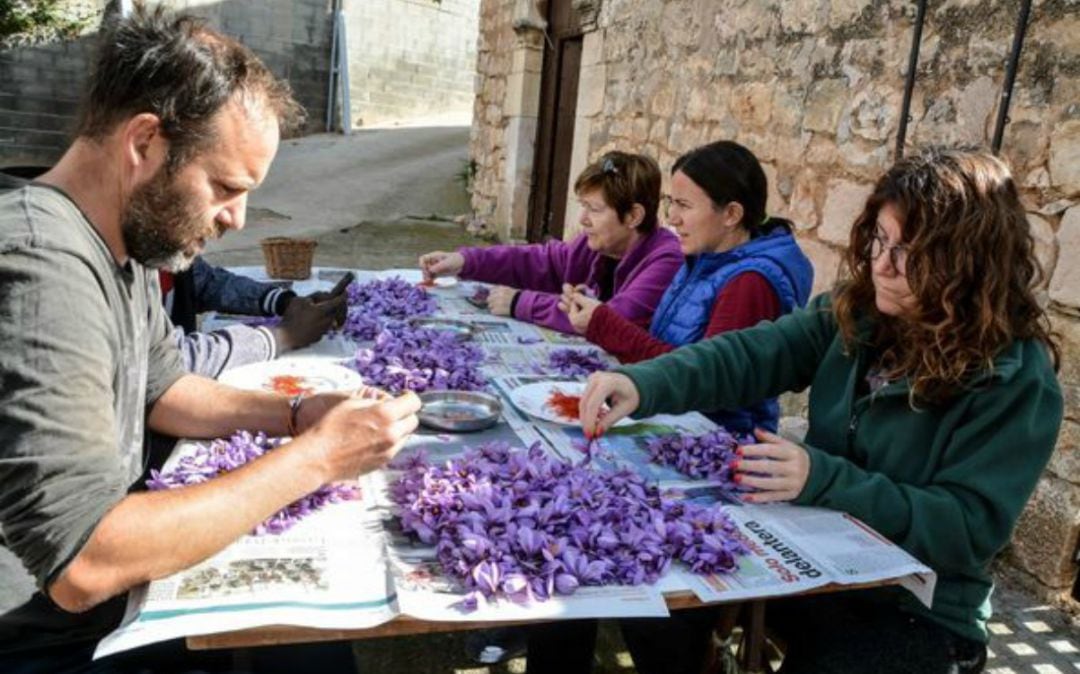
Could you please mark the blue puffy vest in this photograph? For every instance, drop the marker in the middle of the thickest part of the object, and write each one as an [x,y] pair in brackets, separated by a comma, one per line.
[687,303]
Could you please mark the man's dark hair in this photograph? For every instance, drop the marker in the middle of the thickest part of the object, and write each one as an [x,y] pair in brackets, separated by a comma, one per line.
[174,67]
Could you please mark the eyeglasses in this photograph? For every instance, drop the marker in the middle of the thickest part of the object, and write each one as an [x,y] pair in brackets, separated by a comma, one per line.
[897,254]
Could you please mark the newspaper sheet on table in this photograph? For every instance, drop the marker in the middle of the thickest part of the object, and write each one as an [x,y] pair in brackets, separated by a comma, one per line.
[329,571]
[797,548]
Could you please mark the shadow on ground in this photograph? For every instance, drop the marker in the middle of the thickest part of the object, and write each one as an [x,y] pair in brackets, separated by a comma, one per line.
[446,654]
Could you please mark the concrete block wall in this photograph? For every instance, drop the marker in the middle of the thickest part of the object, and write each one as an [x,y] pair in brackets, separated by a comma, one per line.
[40,85]
[411,58]
[291,36]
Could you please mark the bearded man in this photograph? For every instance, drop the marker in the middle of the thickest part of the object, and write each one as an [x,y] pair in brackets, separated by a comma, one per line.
[179,124]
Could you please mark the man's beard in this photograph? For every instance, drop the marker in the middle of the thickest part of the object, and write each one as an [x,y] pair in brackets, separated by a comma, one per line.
[161,223]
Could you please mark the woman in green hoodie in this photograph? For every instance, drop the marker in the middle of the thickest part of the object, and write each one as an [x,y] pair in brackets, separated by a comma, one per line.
[934,408]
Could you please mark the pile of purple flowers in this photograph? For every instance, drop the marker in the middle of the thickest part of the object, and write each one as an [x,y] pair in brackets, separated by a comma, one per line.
[372,305]
[519,524]
[576,362]
[222,456]
[707,456]
[407,358]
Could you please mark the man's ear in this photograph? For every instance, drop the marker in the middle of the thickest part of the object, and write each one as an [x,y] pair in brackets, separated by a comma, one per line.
[145,148]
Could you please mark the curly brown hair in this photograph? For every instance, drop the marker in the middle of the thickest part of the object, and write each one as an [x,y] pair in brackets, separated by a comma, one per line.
[971,267]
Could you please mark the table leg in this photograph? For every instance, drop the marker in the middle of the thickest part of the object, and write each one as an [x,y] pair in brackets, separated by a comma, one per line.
[753,650]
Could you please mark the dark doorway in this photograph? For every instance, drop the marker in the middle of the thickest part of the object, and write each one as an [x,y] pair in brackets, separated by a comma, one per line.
[555,132]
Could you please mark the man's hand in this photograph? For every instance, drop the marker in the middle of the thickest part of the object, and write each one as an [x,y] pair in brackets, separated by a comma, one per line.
[341,308]
[361,434]
[441,263]
[305,321]
[315,407]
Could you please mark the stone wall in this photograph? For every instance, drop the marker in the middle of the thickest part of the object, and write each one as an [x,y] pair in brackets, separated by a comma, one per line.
[411,58]
[814,88]
[40,85]
[486,147]
[505,114]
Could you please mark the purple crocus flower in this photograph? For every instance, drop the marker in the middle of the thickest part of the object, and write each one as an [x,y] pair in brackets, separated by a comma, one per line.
[374,304]
[523,526]
[405,358]
[224,455]
[576,362]
[708,456]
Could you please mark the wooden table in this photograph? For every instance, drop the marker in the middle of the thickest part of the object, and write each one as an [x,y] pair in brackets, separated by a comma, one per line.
[750,614]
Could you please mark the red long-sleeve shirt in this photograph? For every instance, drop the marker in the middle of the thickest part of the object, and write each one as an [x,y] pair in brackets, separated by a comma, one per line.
[745,301]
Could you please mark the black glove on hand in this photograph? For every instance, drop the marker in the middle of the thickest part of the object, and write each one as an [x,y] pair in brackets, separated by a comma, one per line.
[306,320]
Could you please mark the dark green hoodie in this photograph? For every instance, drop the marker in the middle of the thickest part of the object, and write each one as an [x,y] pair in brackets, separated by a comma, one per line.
[945,483]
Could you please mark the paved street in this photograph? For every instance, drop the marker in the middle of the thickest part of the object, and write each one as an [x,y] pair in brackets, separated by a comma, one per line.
[327,182]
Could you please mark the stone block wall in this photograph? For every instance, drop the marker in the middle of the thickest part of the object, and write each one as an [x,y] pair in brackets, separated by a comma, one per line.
[411,58]
[40,85]
[814,88]
[492,113]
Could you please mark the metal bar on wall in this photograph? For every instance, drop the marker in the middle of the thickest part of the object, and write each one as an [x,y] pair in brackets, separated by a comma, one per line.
[909,82]
[330,99]
[343,76]
[338,88]
[1010,76]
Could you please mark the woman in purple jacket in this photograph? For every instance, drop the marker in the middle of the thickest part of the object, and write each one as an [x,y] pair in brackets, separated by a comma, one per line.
[621,256]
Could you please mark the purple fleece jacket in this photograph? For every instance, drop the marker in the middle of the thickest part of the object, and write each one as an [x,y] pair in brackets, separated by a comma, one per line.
[539,270]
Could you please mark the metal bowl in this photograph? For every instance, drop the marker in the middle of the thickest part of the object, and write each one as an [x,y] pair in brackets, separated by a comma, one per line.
[459,411]
[462,331]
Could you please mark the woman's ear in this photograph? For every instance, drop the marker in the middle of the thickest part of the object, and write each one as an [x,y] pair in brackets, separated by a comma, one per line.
[635,216]
[733,214]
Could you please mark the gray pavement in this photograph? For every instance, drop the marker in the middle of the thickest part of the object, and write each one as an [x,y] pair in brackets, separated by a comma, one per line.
[323,183]
[1031,636]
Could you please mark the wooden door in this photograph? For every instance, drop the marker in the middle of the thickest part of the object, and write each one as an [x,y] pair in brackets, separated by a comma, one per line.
[555,130]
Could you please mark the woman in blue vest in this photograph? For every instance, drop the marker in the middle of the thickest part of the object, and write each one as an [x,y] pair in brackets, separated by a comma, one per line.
[741,267]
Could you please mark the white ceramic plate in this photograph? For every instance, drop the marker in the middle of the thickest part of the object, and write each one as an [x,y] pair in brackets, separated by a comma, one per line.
[532,399]
[440,282]
[292,376]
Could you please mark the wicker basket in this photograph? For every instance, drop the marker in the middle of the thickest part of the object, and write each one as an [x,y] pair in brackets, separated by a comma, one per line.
[288,258]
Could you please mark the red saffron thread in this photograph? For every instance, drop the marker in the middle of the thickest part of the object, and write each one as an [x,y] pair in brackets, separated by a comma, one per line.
[565,405]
